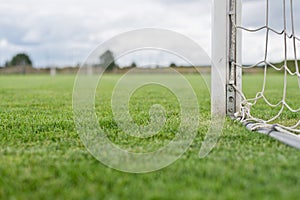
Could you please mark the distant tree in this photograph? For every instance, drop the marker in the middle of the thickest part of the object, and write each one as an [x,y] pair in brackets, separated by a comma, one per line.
[173,65]
[108,59]
[20,59]
[133,65]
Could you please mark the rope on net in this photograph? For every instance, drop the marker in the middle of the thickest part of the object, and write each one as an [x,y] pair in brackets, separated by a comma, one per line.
[245,115]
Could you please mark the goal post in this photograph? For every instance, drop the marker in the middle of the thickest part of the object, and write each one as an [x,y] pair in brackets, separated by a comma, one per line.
[226,52]
[227,94]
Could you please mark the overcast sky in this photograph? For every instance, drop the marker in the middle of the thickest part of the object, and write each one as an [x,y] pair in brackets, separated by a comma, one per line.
[63,32]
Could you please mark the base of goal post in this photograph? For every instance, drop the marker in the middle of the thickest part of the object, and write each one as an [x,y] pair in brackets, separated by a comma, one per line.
[226,92]
[284,136]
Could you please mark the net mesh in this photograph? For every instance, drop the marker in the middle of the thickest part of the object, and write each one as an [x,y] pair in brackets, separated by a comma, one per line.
[280,95]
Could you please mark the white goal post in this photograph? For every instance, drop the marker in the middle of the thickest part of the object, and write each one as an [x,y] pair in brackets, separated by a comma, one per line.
[227,94]
[226,48]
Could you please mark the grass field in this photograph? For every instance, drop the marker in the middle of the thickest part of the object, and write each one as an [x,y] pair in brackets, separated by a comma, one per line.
[42,157]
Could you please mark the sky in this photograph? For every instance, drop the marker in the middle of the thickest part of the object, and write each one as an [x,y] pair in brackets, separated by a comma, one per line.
[64,32]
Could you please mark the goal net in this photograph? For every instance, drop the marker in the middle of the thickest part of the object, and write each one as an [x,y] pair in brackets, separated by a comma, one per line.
[257,45]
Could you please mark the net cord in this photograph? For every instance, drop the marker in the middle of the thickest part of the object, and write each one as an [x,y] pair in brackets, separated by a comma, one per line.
[244,115]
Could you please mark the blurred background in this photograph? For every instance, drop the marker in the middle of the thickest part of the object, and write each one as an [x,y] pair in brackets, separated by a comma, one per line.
[62,33]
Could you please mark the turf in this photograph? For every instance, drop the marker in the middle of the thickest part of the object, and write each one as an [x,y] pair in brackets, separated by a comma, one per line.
[42,157]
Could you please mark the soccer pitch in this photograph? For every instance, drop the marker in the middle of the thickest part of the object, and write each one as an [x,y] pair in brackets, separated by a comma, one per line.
[42,156]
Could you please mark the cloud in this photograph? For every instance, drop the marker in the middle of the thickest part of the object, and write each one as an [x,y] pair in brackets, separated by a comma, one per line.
[64,32]
[52,28]
[3,43]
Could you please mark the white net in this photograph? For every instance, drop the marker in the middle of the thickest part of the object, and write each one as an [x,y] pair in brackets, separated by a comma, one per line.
[272,43]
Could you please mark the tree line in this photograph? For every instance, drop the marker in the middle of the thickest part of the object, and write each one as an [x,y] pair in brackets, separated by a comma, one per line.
[106,59]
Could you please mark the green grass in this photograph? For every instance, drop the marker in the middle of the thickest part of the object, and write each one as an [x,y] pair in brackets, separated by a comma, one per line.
[42,157]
